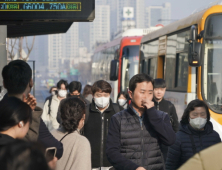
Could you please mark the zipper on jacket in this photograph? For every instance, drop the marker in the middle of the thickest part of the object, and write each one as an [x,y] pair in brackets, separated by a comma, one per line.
[107,126]
[142,142]
[201,147]
[102,141]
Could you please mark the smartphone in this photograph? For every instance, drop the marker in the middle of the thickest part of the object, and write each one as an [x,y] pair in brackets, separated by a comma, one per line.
[50,153]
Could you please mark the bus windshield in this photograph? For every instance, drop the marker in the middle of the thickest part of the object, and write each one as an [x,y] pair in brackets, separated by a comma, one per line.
[130,62]
[212,69]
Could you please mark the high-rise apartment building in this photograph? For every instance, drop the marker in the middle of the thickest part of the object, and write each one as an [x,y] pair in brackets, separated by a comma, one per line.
[140,14]
[100,27]
[158,15]
[62,48]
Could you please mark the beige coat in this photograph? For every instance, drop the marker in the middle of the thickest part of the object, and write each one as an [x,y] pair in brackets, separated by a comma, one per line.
[208,159]
[76,151]
[51,119]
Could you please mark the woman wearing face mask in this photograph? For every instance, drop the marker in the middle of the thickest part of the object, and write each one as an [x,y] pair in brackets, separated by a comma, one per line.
[77,151]
[122,100]
[196,133]
[51,106]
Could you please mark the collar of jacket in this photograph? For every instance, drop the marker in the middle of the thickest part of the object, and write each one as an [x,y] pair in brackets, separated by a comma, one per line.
[186,128]
[93,107]
[5,139]
[37,108]
[158,102]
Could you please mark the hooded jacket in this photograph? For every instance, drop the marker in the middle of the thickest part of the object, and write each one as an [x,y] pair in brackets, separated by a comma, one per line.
[188,142]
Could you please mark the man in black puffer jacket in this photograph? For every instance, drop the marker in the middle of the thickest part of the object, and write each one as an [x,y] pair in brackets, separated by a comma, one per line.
[165,106]
[135,134]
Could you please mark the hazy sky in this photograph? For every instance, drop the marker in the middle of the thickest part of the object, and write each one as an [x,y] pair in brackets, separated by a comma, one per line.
[181,8]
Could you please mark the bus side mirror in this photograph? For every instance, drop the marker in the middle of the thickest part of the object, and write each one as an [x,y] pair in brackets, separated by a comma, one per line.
[114,69]
[194,52]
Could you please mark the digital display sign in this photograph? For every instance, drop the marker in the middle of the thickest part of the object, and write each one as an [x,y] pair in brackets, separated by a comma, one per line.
[47,10]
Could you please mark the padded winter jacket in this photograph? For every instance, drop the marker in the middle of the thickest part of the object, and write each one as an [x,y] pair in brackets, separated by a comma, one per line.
[131,143]
[188,142]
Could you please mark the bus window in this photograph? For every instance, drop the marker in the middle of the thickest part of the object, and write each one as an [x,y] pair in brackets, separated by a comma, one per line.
[213,74]
[181,71]
[130,64]
[152,65]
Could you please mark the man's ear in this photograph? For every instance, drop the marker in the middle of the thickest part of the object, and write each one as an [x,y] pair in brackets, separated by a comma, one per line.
[130,94]
[31,82]
[4,84]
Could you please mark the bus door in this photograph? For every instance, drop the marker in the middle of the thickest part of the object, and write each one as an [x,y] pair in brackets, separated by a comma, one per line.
[161,57]
[130,65]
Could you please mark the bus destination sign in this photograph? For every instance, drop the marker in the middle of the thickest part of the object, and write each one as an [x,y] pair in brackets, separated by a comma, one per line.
[65,10]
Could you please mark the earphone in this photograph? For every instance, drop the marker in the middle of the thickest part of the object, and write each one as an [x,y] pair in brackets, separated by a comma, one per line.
[21,124]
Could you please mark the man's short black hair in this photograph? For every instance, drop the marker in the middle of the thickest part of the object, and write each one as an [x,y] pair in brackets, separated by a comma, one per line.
[101,86]
[159,83]
[75,85]
[16,75]
[62,82]
[139,78]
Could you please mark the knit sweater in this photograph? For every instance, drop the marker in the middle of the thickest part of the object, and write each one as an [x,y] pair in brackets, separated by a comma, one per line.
[77,151]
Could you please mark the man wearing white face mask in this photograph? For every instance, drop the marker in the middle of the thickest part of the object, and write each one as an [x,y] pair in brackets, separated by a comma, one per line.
[196,133]
[51,106]
[98,114]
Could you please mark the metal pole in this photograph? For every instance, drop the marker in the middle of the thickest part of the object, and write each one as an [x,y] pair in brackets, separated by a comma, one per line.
[3,54]
[34,78]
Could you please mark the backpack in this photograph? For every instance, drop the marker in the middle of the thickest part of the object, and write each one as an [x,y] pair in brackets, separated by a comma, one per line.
[49,104]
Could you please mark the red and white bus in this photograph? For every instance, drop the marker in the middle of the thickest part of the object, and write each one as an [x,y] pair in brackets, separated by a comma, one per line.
[117,61]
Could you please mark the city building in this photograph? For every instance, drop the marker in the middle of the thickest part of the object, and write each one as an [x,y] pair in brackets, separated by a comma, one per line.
[158,15]
[62,48]
[100,27]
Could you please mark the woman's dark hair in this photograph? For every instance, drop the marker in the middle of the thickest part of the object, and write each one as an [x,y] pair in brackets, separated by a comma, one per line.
[62,82]
[72,111]
[191,106]
[75,85]
[139,78]
[101,86]
[50,91]
[16,75]
[159,83]
[12,111]
[87,90]
[20,155]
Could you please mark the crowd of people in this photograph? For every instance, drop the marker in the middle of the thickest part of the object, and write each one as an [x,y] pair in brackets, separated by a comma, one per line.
[89,131]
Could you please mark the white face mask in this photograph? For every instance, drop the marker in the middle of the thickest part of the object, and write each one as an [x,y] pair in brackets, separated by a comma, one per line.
[62,93]
[198,123]
[122,102]
[53,93]
[101,102]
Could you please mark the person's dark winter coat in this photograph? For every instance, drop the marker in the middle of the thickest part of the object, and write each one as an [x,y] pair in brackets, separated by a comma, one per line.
[167,107]
[96,130]
[131,143]
[4,140]
[189,142]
